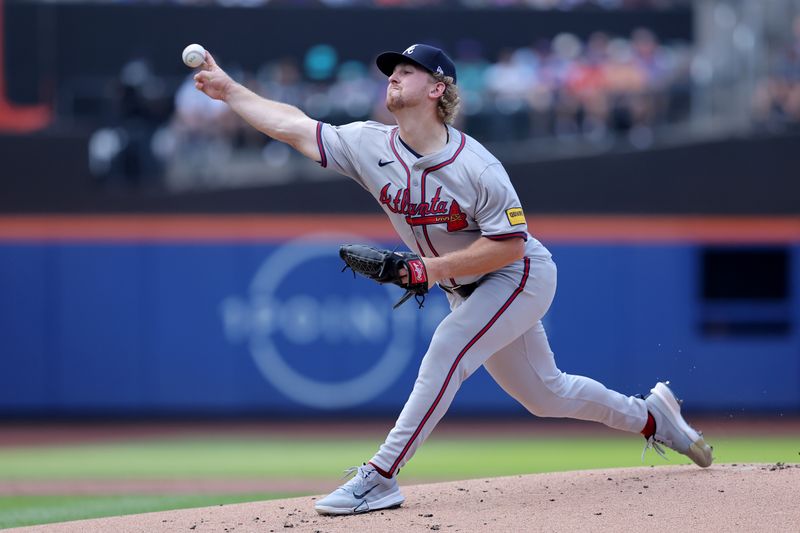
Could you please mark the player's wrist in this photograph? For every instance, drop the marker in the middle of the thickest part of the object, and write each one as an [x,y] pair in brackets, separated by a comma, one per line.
[433,270]
[231,90]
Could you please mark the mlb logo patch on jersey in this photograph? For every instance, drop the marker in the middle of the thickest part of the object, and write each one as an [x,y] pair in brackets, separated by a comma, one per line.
[515,216]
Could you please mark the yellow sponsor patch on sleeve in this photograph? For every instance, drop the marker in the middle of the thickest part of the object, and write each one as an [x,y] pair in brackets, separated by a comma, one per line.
[515,216]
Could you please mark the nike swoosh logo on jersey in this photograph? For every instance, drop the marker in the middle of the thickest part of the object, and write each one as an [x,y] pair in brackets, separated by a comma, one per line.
[382,163]
[363,494]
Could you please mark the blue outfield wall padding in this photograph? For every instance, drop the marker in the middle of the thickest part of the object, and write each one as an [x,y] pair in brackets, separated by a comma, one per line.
[277,328]
[26,297]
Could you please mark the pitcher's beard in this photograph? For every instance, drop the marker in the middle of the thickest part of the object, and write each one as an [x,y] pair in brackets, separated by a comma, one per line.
[394,102]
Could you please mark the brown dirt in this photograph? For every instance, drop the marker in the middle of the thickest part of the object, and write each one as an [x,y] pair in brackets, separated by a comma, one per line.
[749,497]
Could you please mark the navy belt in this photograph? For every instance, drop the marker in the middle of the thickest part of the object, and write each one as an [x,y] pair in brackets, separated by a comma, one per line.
[462,290]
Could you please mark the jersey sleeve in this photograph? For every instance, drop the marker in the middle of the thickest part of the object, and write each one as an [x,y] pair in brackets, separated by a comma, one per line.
[339,146]
[498,209]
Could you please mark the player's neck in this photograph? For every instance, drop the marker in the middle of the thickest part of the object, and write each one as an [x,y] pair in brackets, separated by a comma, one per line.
[424,136]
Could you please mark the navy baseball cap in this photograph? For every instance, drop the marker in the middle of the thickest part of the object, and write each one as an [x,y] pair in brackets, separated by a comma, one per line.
[428,57]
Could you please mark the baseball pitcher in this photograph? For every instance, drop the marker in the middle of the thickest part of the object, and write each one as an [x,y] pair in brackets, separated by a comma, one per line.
[454,207]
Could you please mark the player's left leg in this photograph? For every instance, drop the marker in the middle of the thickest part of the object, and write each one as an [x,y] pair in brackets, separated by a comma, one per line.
[526,369]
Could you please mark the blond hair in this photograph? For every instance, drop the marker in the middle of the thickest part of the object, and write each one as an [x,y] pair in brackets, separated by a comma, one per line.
[449,103]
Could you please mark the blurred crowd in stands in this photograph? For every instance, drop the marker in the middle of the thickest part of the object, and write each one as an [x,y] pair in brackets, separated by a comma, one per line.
[777,97]
[600,93]
[532,4]
[604,89]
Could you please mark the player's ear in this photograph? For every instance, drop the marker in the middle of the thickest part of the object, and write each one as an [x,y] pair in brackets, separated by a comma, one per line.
[438,89]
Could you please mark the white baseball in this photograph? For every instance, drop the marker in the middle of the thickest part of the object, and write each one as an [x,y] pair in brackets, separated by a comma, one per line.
[194,55]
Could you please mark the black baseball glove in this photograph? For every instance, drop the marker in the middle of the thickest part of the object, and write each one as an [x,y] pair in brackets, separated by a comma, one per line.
[384,266]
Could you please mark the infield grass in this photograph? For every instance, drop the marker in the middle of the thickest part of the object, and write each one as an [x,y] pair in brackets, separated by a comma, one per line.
[319,459]
[445,458]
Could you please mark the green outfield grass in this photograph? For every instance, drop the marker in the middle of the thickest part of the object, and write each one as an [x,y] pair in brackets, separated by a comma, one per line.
[214,458]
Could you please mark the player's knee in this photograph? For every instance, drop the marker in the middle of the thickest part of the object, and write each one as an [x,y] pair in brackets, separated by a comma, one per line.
[556,385]
[551,409]
[537,410]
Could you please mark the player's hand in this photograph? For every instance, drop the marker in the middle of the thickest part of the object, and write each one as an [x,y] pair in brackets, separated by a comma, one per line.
[431,280]
[212,80]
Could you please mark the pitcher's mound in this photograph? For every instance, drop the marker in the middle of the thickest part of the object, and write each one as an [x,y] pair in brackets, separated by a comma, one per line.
[743,497]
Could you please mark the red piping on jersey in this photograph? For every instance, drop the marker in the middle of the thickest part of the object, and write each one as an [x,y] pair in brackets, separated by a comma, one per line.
[408,181]
[444,163]
[422,190]
[505,236]
[458,359]
[323,159]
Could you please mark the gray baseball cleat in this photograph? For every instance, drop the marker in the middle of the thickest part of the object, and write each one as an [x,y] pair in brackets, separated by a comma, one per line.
[672,430]
[366,491]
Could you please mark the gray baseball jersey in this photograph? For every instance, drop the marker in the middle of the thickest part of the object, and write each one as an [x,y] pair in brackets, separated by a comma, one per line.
[444,202]
[437,203]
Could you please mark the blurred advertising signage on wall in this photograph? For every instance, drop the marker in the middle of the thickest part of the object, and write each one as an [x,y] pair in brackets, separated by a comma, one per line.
[319,336]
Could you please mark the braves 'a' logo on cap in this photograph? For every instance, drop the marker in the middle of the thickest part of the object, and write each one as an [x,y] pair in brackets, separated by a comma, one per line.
[439,70]
[410,50]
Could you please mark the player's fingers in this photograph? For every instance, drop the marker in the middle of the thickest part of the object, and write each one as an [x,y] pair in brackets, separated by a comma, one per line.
[210,63]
